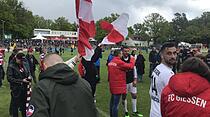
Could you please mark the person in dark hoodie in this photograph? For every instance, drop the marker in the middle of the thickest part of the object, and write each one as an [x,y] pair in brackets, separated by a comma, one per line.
[187,94]
[60,92]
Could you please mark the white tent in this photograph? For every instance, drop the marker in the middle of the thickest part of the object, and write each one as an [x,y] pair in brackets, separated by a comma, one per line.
[39,36]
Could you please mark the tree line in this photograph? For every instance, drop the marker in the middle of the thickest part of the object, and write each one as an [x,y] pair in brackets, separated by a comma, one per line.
[20,22]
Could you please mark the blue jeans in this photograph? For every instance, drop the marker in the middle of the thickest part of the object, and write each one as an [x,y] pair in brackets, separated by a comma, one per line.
[114,102]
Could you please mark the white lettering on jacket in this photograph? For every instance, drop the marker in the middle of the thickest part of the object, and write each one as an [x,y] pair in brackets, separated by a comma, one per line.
[191,100]
[112,64]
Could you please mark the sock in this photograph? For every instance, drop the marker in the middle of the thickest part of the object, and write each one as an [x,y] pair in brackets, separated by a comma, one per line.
[125,105]
[134,101]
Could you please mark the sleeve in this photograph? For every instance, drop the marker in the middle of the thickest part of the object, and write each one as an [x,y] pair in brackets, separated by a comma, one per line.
[39,103]
[166,77]
[10,76]
[71,62]
[97,54]
[125,66]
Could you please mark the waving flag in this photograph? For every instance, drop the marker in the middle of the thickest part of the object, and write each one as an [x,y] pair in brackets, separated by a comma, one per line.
[117,29]
[86,27]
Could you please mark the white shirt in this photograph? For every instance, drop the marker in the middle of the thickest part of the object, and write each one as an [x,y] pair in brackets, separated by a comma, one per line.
[160,78]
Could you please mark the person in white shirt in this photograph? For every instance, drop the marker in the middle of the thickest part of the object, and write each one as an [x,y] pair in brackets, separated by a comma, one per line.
[161,75]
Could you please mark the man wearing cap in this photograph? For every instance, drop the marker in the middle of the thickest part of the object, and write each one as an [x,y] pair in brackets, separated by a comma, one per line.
[32,63]
[17,76]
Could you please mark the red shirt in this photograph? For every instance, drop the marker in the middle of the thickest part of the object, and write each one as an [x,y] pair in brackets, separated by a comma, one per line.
[186,95]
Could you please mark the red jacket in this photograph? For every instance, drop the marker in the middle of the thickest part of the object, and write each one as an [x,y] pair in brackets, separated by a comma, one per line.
[117,75]
[186,95]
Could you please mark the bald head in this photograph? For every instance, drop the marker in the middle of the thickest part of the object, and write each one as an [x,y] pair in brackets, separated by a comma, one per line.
[52,59]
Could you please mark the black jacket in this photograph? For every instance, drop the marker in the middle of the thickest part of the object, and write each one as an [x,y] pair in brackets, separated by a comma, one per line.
[15,77]
[32,62]
[90,67]
[140,65]
[153,57]
[61,93]
[207,59]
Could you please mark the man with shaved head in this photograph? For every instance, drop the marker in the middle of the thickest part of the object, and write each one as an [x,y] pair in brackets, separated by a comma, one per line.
[60,91]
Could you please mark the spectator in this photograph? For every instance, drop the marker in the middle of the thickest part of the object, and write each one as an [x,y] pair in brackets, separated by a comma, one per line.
[161,75]
[131,82]
[140,66]
[60,92]
[117,80]
[153,60]
[2,73]
[18,77]
[90,69]
[187,93]
[32,63]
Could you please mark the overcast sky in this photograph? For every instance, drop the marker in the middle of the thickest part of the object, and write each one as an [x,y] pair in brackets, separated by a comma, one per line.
[137,9]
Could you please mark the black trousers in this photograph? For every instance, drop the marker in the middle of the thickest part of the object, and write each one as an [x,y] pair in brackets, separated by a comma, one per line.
[98,73]
[18,102]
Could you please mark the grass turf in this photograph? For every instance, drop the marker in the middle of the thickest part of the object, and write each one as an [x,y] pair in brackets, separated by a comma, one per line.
[102,93]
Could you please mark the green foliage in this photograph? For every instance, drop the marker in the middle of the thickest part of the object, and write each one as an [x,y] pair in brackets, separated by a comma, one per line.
[18,20]
[130,31]
[155,24]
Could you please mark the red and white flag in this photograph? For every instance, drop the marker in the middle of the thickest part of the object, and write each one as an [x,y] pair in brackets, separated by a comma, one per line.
[86,27]
[117,29]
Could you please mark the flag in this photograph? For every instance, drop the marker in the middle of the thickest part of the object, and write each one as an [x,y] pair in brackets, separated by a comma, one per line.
[117,30]
[86,27]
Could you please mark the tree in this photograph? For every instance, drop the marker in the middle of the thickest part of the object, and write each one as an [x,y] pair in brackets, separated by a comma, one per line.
[130,31]
[179,24]
[61,24]
[154,24]
[18,20]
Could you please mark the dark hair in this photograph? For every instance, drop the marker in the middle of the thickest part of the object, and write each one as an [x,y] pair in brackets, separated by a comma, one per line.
[117,52]
[196,65]
[167,45]
[125,47]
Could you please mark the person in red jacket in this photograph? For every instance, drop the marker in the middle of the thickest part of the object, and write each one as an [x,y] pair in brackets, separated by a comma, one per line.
[187,94]
[117,80]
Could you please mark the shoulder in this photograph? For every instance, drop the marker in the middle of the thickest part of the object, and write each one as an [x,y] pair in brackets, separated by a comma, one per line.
[166,90]
[44,85]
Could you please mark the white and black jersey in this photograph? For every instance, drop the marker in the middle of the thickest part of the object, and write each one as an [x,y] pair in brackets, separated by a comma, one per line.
[159,79]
